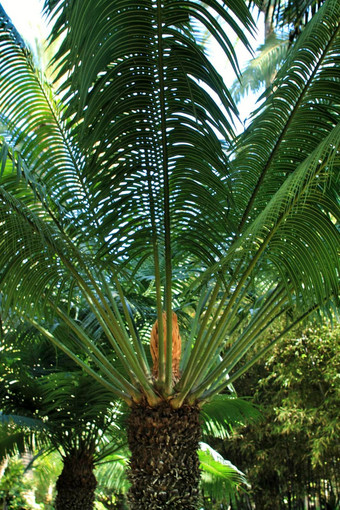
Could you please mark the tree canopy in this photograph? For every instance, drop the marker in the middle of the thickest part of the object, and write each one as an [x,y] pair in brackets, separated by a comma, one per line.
[129,208]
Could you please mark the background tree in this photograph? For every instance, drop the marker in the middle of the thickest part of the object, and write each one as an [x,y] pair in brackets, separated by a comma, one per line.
[134,168]
[283,22]
[79,419]
[291,455]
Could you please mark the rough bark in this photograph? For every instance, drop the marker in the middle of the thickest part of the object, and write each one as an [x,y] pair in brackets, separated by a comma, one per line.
[164,466]
[76,483]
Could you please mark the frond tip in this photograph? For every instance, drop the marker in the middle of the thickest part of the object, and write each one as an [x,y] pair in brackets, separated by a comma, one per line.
[176,346]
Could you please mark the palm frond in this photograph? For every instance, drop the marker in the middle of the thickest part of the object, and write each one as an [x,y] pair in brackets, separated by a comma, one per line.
[81,415]
[295,178]
[111,473]
[19,434]
[122,79]
[223,412]
[220,478]
[150,117]
[12,443]
[32,119]
[284,134]
[260,71]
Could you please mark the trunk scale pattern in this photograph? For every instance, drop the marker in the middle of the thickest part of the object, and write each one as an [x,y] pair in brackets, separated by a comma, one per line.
[164,466]
[76,483]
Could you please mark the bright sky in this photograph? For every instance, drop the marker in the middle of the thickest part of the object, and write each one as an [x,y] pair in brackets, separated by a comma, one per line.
[26,16]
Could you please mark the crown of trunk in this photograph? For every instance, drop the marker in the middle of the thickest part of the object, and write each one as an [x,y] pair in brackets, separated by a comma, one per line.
[176,345]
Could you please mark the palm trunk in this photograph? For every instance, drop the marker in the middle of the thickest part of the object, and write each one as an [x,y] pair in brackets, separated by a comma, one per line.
[76,483]
[164,466]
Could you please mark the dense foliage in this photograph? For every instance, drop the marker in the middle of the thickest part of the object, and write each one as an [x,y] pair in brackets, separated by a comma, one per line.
[129,210]
[292,455]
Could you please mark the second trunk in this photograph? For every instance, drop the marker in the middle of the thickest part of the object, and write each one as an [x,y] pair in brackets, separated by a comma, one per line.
[76,483]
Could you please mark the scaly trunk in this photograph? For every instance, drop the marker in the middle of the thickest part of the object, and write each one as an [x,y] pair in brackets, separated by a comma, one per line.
[164,466]
[76,483]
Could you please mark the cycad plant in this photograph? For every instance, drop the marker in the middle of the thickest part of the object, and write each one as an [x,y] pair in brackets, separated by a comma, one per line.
[51,405]
[129,182]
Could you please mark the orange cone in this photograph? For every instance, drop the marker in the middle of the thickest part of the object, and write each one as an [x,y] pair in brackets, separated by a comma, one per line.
[176,346]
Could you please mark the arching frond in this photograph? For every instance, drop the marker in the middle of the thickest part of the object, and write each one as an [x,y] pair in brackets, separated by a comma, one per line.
[220,477]
[12,442]
[140,118]
[295,119]
[20,433]
[223,412]
[260,71]
[31,117]
[136,186]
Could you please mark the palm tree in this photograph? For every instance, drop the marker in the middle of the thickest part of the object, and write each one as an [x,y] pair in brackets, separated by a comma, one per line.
[65,411]
[58,408]
[287,13]
[283,22]
[129,182]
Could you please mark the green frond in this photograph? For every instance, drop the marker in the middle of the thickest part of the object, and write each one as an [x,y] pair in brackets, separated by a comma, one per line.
[260,71]
[12,443]
[48,267]
[220,478]
[111,473]
[223,412]
[32,120]
[19,433]
[284,187]
[295,118]
[294,229]
[81,415]
[300,12]
[33,262]
[147,124]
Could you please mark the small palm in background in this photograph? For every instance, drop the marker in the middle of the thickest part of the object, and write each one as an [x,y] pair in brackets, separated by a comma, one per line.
[283,22]
[73,416]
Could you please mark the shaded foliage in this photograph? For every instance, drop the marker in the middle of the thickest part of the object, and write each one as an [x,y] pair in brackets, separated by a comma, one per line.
[293,452]
[131,182]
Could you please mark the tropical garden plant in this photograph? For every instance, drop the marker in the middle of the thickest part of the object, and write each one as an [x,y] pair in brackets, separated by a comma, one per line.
[283,22]
[128,187]
[291,455]
[44,394]
[52,406]
[13,486]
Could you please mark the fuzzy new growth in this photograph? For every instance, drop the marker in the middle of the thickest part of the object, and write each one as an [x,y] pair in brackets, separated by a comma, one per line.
[176,346]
